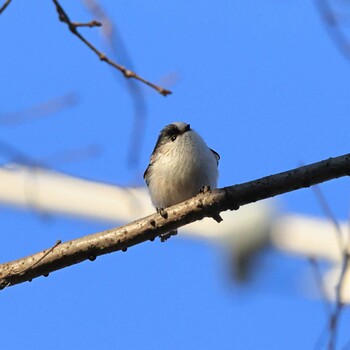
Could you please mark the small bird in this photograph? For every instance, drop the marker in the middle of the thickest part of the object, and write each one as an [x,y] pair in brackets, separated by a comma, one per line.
[181,166]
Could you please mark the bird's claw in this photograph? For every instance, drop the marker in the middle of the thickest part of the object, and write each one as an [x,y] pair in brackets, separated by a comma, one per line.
[162,212]
[204,189]
[165,236]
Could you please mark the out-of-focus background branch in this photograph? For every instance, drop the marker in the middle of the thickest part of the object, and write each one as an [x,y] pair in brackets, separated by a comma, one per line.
[205,205]
[3,7]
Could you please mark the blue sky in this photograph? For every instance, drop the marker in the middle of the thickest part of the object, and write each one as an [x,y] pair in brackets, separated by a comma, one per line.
[265,86]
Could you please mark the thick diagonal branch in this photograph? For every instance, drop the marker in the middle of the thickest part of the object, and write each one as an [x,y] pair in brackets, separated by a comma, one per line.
[196,208]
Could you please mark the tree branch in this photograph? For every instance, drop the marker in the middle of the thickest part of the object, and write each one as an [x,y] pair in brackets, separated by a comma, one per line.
[196,208]
[42,109]
[335,317]
[333,28]
[3,7]
[90,24]
[63,17]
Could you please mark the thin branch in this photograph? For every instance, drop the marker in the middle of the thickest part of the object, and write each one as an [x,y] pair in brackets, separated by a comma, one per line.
[16,155]
[117,45]
[320,285]
[333,28]
[322,338]
[329,213]
[73,155]
[63,17]
[335,317]
[90,24]
[39,110]
[97,11]
[3,7]
[203,205]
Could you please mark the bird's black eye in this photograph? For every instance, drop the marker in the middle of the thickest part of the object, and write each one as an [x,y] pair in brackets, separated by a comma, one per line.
[173,138]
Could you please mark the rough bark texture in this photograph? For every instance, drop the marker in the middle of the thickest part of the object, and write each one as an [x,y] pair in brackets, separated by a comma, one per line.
[203,205]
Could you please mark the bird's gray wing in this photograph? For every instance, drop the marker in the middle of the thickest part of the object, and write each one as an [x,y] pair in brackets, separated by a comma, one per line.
[217,156]
[146,174]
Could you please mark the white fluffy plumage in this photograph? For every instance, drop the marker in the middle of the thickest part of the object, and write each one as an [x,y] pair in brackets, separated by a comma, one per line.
[181,164]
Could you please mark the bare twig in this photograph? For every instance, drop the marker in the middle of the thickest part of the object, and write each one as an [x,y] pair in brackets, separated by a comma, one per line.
[40,110]
[333,28]
[63,17]
[3,7]
[329,213]
[196,208]
[319,281]
[16,155]
[116,43]
[74,155]
[335,317]
[90,24]
[322,338]
[97,11]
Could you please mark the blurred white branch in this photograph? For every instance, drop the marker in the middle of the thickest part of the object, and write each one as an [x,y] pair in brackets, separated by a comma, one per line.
[243,232]
[316,238]
[48,191]
[308,236]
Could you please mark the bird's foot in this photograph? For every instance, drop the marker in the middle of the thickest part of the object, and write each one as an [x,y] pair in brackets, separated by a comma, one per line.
[204,189]
[162,212]
[165,236]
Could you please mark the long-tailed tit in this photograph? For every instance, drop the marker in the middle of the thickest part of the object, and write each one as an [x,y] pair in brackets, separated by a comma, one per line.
[181,165]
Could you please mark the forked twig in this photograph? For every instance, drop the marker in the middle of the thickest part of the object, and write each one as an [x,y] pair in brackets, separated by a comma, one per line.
[63,17]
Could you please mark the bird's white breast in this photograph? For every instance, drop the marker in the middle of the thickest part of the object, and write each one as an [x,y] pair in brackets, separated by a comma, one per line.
[181,169]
